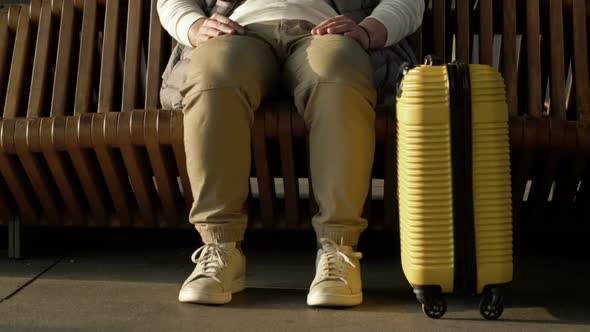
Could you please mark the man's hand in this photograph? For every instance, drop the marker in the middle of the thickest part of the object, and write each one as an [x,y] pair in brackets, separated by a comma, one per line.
[372,34]
[214,26]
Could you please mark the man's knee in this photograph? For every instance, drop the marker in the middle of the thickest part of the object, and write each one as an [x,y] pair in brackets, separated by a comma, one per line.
[339,59]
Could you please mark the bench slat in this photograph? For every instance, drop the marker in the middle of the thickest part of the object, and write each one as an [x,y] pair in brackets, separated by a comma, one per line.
[14,105]
[533,49]
[486,34]
[87,53]
[164,176]
[440,28]
[132,56]
[266,188]
[63,65]
[463,12]
[36,172]
[557,110]
[510,70]
[62,171]
[290,181]
[5,55]
[177,130]
[581,71]
[313,204]
[105,129]
[154,59]
[42,62]
[110,48]
[136,164]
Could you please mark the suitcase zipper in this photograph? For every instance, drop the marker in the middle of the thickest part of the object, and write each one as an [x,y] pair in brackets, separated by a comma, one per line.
[465,264]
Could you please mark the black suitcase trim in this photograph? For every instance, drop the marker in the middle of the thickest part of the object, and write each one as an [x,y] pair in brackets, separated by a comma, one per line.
[465,267]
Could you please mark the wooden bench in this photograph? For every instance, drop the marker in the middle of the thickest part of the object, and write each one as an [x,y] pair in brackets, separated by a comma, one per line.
[84,143]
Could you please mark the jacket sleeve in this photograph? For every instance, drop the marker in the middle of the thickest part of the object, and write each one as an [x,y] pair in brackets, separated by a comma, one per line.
[177,16]
[400,17]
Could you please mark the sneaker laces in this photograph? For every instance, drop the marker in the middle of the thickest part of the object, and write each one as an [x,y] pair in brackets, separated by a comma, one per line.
[211,258]
[334,260]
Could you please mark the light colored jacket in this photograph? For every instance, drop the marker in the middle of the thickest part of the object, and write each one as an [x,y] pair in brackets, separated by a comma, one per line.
[386,62]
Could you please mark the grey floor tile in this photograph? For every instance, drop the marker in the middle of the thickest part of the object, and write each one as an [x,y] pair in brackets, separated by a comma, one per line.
[16,273]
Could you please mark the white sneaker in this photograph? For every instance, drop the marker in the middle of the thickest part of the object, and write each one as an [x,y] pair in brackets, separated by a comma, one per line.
[220,272]
[337,281]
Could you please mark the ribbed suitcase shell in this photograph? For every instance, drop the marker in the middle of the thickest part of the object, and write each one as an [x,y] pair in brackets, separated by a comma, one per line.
[426,181]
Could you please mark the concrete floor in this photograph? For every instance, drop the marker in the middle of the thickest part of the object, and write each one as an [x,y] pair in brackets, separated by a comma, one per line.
[135,289]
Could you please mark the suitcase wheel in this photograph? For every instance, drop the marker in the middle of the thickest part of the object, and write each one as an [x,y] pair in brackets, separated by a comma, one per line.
[432,300]
[491,305]
[435,308]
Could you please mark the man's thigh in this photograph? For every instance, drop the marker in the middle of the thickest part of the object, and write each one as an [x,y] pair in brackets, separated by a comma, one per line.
[231,62]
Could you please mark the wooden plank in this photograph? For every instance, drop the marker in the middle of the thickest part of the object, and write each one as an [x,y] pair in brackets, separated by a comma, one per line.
[439,8]
[63,64]
[533,50]
[165,178]
[105,131]
[509,71]
[90,175]
[110,50]
[15,94]
[137,167]
[290,181]
[42,63]
[52,136]
[580,61]
[13,17]
[177,130]
[86,59]
[17,182]
[313,204]
[557,60]
[415,40]
[27,134]
[486,33]
[462,13]
[5,55]
[154,60]
[132,56]
[266,186]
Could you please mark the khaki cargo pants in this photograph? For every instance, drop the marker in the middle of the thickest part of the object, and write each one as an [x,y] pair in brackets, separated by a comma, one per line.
[330,79]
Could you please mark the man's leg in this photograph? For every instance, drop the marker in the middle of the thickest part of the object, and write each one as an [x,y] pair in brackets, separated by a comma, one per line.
[331,78]
[228,78]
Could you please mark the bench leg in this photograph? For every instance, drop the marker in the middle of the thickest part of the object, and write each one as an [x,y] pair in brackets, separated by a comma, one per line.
[14,239]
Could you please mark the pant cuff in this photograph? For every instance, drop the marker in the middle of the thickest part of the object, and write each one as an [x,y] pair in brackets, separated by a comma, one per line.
[341,236]
[220,234]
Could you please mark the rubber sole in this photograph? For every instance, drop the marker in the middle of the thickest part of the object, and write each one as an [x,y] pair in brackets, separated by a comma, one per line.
[191,296]
[333,300]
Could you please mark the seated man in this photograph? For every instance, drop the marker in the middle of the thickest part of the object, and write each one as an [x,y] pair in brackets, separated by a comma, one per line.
[321,58]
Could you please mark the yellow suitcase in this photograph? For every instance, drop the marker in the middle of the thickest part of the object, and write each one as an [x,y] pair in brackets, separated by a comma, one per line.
[454,185]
